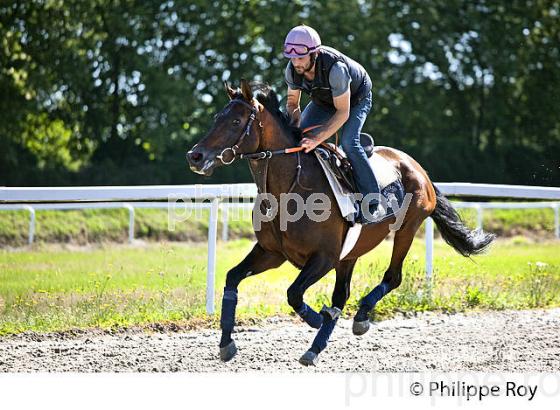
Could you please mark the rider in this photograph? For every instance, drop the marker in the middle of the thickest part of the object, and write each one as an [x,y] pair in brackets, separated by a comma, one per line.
[340,90]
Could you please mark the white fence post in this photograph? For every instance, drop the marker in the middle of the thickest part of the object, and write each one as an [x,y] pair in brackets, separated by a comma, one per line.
[429,226]
[557,221]
[225,210]
[479,211]
[130,222]
[211,274]
[31,224]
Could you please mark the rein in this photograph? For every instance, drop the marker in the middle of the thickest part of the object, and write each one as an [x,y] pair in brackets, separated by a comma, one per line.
[270,154]
[260,154]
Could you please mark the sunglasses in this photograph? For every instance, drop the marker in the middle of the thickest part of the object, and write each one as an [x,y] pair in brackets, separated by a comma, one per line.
[299,49]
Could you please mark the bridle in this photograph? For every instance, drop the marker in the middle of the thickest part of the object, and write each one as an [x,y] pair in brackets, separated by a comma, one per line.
[261,154]
[246,132]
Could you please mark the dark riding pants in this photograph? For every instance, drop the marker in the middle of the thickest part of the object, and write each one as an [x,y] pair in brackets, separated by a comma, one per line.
[349,139]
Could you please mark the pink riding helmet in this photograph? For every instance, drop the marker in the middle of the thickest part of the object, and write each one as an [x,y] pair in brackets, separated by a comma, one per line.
[300,41]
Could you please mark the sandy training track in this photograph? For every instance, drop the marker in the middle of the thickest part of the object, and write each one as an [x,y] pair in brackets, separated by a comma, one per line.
[487,341]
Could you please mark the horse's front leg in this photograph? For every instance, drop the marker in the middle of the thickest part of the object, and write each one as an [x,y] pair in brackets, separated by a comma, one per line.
[330,315]
[317,266]
[257,261]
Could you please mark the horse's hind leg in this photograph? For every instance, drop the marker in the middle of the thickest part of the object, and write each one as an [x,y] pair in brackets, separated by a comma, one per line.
[391,279]
[340,296]
[257,261]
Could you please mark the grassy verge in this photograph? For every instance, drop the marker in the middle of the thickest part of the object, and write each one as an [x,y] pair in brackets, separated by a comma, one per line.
[50,288]
[102,225]
[110,225]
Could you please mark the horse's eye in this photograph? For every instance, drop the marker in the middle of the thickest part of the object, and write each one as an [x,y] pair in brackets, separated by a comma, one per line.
[236,122]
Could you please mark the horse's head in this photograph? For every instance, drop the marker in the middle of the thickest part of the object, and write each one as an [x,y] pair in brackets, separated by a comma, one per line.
[236,129]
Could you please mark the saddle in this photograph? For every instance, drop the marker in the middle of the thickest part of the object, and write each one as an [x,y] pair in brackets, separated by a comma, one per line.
[340,165]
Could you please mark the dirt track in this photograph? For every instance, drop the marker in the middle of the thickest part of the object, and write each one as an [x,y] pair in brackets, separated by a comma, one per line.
[491,341]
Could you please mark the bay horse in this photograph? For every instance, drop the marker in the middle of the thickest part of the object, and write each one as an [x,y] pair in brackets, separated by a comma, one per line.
[253,127]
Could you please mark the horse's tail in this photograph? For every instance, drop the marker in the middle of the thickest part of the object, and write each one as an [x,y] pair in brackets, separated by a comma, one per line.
[454,231]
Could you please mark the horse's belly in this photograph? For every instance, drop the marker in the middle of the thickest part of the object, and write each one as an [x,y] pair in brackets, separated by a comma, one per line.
[298,243]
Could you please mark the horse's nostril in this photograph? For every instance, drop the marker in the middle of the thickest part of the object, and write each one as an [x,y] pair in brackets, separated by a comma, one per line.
[196,156]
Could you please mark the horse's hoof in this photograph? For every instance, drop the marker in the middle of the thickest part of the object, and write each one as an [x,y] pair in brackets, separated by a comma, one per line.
[227,352]
[360,328]
[309,358]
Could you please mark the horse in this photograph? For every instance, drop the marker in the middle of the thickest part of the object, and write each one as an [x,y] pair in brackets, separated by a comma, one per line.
[252,126]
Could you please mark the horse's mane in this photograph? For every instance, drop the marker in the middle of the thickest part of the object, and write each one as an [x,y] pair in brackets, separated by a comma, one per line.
[268,98]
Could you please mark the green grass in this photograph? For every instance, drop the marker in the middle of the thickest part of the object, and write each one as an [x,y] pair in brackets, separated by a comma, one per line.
[52,288]
[111,225]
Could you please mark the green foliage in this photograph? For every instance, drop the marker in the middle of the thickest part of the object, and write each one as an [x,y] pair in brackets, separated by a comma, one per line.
[473,296]
[115,92]
[542,286]
[48,142]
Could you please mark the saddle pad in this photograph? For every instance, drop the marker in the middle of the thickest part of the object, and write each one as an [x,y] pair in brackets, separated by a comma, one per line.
[344,198]
[390,185]
[384,171]
[388,179]
[391,193]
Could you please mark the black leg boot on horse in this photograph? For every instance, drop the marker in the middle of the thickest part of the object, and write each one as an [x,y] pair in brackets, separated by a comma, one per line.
[330,315]
[257,261]
[391,279]
[453,231]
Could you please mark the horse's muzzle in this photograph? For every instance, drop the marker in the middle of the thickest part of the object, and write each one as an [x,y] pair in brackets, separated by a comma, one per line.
[200,161]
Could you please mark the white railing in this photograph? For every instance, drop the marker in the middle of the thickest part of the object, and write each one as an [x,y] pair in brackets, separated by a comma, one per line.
[32,199]
[479,207]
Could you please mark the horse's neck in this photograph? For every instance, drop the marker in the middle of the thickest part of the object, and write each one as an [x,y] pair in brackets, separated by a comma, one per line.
[277,174]
[273,136]
[274,175]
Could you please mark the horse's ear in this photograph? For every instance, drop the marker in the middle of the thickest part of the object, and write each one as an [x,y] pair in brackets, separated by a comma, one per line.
[230,91]
[246,90]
